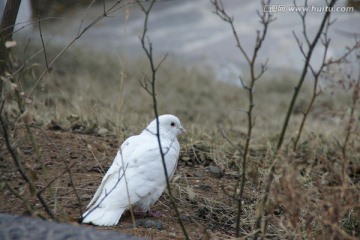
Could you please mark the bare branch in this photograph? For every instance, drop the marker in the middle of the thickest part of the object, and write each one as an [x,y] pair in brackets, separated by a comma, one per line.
[21,170]
[24,200]
[147,47]
[161,61]
[303,74]
[265,19]
[303,22]
[348,131]
[120,176]
[68,170]
[85,13]
[96,160]
[300,44]
[226,138]
[220,11]
[43,46]
[243,84]
[127,191]
[145,84]
[268,183]
[325,41]
[263,69]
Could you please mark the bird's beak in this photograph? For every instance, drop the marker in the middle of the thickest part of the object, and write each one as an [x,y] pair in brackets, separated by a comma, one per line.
[182,130]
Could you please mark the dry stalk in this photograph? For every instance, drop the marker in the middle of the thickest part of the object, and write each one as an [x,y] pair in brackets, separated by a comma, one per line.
[325,41]
[309,53]
[25,201]
[96,159]
[147,47]
[25,118]
[265,18]
[22,172]
[127,192]
[348,131]
[316,73]
[312,45]
[68,170]
[121,173]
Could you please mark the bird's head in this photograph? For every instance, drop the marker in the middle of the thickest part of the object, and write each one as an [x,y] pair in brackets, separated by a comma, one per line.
[168,124]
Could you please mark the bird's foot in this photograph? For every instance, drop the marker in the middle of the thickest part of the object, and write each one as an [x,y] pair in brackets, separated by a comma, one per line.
[155,214]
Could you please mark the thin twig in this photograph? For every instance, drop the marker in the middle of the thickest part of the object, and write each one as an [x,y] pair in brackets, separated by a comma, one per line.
[127,192]
[145,84]
[316,73]
[96,160]
[265,19]
[92,208]
[28,23]
[303,75]
[348,131]
[43,45]
[21,170]
[226,138]
[68,170]
[20,196]
[52,181]
[220,11]
[148,51]
[83,17]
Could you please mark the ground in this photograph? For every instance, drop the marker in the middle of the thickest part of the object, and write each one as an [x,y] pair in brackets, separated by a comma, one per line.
[74,161]
[83,156]
[67,134]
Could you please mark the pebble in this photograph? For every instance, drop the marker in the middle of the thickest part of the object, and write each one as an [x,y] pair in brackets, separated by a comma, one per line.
[215,171]
[149,223]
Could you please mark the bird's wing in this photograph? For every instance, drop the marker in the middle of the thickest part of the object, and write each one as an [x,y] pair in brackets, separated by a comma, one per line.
[116,169]
[143,173]
[150,169]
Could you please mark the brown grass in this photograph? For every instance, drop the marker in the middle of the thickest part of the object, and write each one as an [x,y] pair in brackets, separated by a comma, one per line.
[102,97]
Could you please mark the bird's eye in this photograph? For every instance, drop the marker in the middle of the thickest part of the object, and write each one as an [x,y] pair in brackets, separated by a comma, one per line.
[172,124]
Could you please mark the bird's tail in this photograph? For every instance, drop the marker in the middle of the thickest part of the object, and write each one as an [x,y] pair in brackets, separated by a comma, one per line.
[102,216]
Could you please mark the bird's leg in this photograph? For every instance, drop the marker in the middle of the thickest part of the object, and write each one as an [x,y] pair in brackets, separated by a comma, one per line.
[155,214]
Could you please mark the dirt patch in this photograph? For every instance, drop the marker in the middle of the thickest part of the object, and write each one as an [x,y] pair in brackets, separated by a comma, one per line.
[75,162]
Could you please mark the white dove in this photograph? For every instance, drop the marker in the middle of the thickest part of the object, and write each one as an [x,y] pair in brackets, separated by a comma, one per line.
[136,176]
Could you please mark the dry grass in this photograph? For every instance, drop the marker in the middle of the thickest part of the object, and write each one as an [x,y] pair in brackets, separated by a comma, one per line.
[102,96]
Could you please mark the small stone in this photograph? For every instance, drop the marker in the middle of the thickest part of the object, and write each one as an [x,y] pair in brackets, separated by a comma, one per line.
[199,174]
[77,127]
[215,171]
[185,218]
[186,159]
[102,131]
[149,223]
[205,187]
[53,125]
[86,196]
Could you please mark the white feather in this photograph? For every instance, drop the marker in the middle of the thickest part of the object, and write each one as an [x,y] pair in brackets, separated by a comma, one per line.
[137,173]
